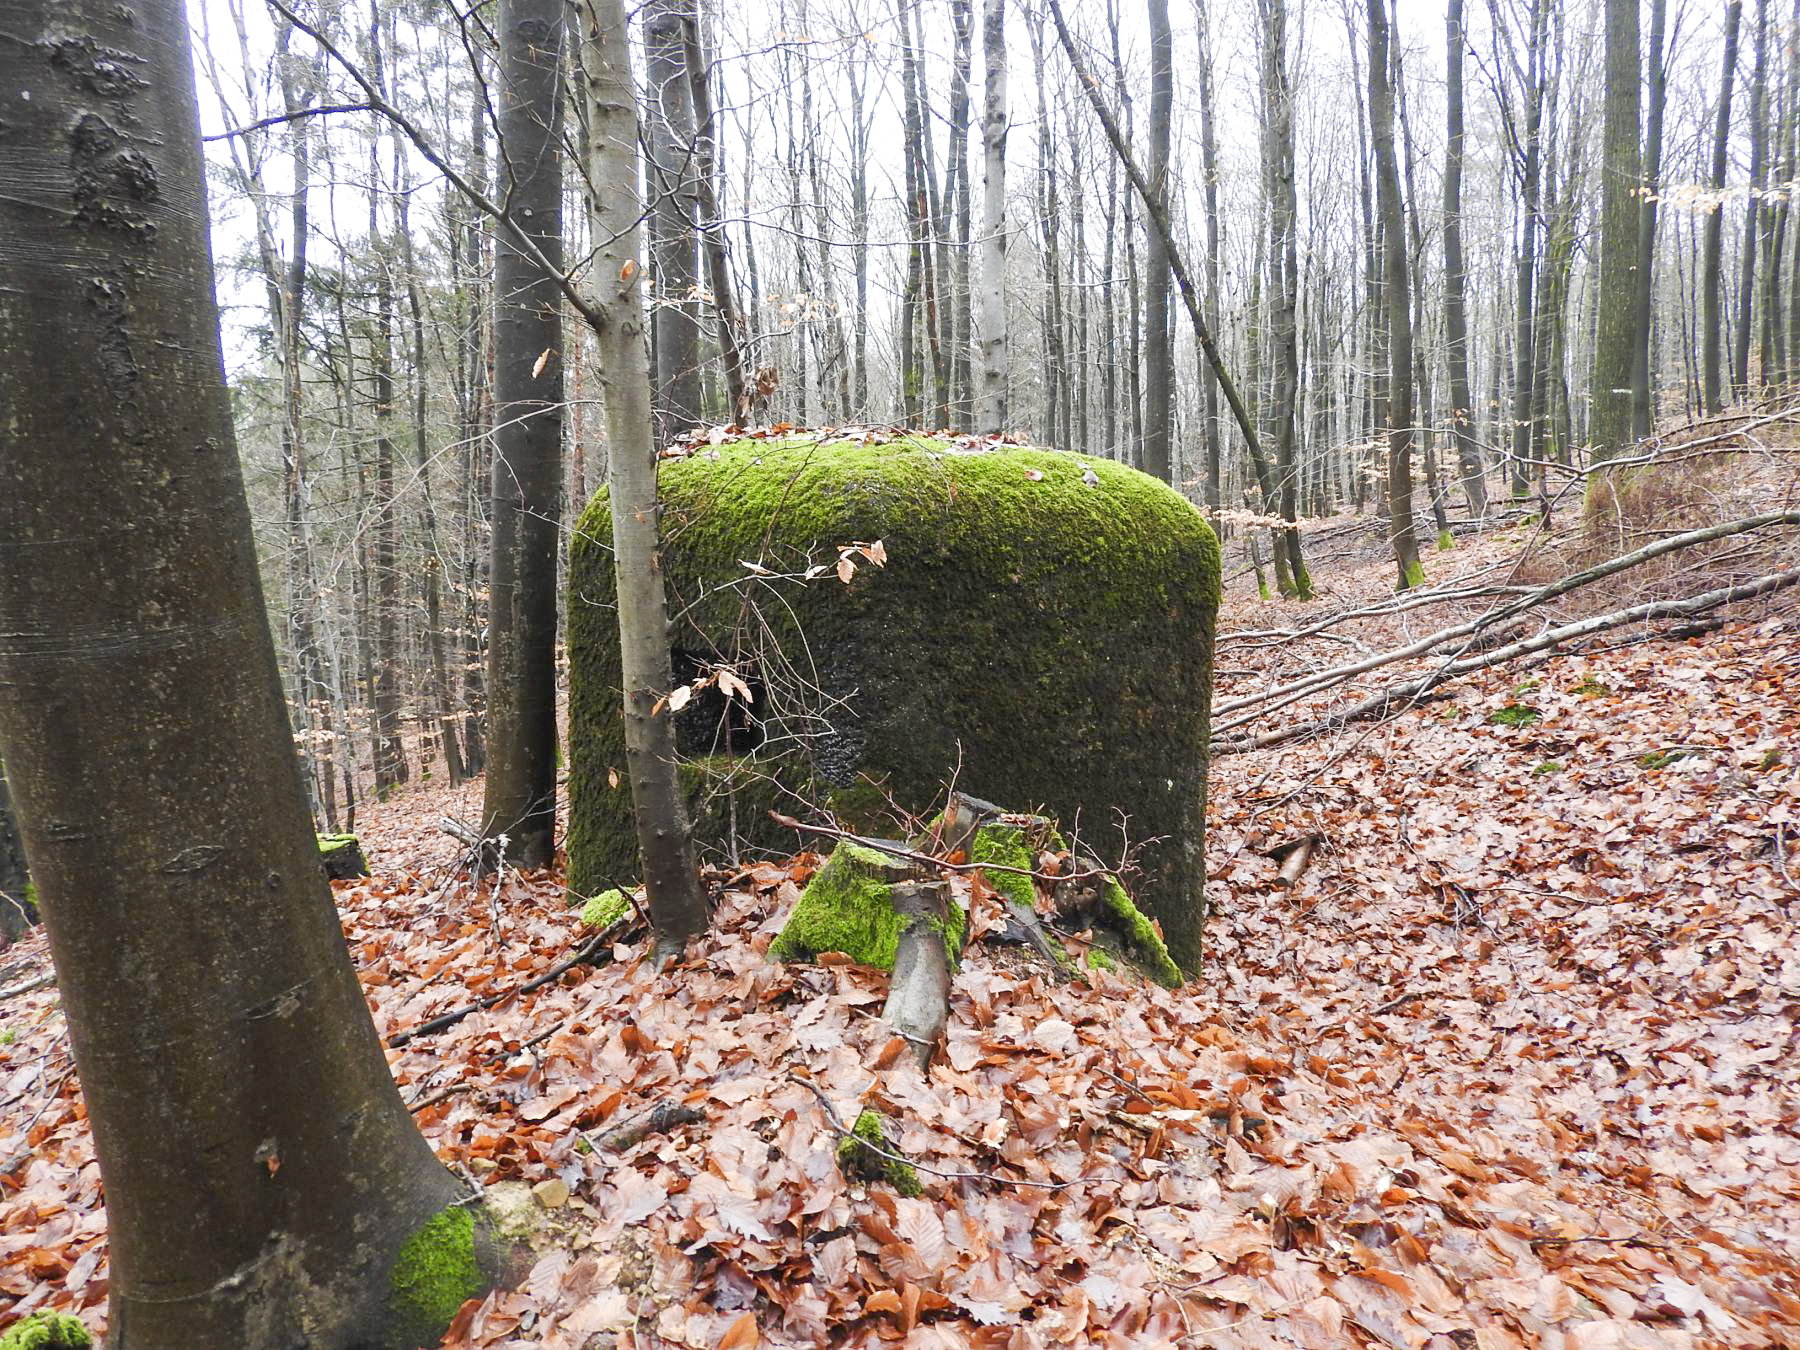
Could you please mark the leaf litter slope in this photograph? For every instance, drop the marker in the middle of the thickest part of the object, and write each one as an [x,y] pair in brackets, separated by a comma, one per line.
[1511,1065]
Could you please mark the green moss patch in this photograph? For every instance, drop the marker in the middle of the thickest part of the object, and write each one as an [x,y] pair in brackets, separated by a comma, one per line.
[605,909]
[47,1331]
[435,1273]
[1041,632]
[1147,951]
[859,1161]
[1007,846]
[846,908]
[1514,715]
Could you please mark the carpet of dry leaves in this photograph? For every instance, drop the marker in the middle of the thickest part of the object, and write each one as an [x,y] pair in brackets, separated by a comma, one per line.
[1512,1064]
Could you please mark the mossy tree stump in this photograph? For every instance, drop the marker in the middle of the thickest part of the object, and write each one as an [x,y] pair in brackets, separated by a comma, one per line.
[1041,632]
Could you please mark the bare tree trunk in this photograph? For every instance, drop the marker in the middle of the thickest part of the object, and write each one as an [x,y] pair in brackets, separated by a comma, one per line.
[1456,323]
[1621,255]
[1711,280]
[712,226]
[1284,266]
[1159,369]
[1401,534]
[672,173]
[672,883]
[990,306]
[262,1175]
[1643,394]
[962,22]
[1209,166]
[520,800]
[1753,210]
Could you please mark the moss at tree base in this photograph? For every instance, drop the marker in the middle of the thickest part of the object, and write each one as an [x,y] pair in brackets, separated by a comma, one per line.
[436,1272]
[857,1157]
[1147,951]
[47,1331]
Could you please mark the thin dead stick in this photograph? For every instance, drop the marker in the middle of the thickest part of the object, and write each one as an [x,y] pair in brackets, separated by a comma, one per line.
[36,982]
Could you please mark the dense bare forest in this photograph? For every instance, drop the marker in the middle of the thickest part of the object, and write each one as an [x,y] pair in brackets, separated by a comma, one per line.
[1376,280]
[1004,674]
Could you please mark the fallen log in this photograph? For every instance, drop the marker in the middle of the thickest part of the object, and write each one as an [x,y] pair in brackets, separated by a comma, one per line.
[1397,697]
[634,1129]
[1285,695]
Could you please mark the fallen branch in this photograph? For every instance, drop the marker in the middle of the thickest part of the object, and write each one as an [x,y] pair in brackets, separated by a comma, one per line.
[589,951]
[1382,703]
[1287,694]
[658,1119]
[36,982]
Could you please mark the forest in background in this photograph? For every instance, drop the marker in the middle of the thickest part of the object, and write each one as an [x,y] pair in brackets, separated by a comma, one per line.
[869,215]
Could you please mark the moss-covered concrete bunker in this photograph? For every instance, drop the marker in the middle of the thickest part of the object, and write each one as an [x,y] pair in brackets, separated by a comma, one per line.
[1042,632]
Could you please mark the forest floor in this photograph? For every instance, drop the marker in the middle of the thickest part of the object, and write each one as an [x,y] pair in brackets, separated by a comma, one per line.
[1512,1063]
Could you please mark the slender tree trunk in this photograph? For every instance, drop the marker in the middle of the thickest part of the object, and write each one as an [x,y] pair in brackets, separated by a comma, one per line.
[677,906]
[1753,210]
[1643,393]
[1399,306]
[712,225]
[520,801]
[1621,241]
[1525,353]
[1711,278]
[1456,324]
[1209,165]
[1159,367]
[962,23]
[1284,266]
[672,174]
[262,1175]
[990,306]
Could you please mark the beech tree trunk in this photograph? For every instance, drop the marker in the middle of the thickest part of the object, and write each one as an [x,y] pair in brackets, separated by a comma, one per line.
[1753,209]
[1616,345]
[520,799]
[1711,278]
[990,302]
[1209,167]
[261,1172]
[1643,397]
[1401,534]
[670,144]
[1456,323]
[1159,367]
[671,880]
